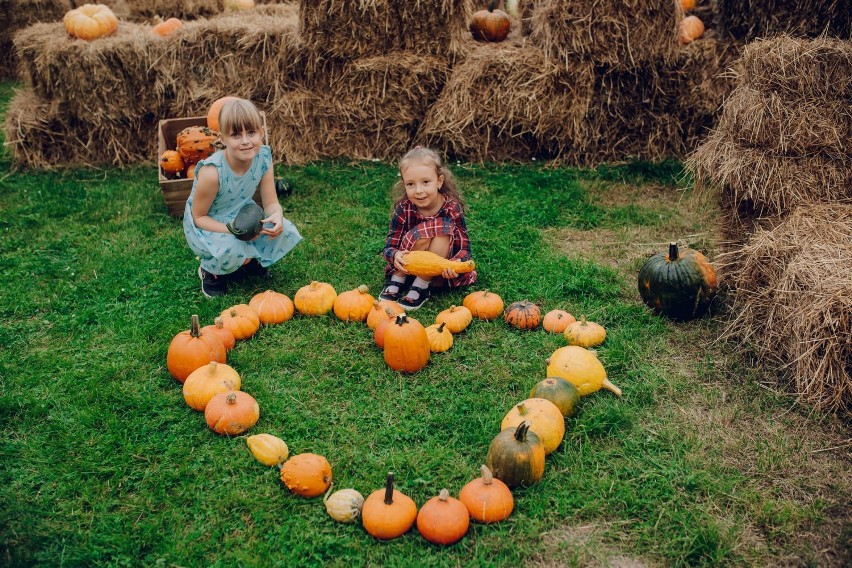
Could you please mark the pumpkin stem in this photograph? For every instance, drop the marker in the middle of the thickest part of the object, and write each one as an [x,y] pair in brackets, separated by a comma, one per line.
[444,495]
[195,326]
[441,327]
[491,5]
[219,323]
[389,312]
[363,289]
[487,478]
[611,387]
[582,320]
[521,431]
[401,319]
[389,489]
[522,408]
[314,285]
[211,368]
[231,399]
[673,252]
[328,493]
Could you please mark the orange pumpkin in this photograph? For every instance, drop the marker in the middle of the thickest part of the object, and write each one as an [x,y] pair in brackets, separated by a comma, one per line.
[206,382]
[378,314]
[523,315]
[307,475]
[90,21]
[687,5]
[555,321]
[545,420]
[690,29]
[225,334]
[215,109]
[190,171]
[484,305]
[272,307]
[165,28]
[440,338]
[457,318]
[231,413]
[315,299]
[242,320]
[406,345]
[379,332]
[192,349]
[353,305]
[171,163]
[488,500]
[442,519]
[196,143]
[388,513]
[490,25]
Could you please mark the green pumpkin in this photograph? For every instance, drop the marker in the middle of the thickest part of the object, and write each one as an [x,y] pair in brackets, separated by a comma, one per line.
[516,456]
[248,223]
[560,392]
[679,284]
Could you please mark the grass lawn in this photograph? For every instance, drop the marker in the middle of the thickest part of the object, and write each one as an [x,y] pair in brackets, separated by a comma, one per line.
[101,462]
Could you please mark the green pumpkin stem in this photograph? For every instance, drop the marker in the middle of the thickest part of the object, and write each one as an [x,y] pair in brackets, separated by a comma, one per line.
[673,252]
[521,431]
[195,327]
[389,489]
[522,408]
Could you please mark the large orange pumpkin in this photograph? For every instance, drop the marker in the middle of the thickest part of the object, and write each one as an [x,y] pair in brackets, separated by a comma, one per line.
[196,143]
[388,513]
[490,25]
[406,345]
[192,349]
[315,299]
[443,519]
[231,413]
[307,475]
[90,21]
[215,109]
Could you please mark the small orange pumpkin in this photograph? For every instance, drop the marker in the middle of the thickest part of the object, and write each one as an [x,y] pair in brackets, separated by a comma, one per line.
[90,21]
[225,334]
[378,314]
[165,28]
[315,299]
[388,513]
[206,382]
[192,349]
[443,520]
[190,171]
[457,318]
[353,305]
[440,338]
[196,143]
[242,320]
[307,475]
[215,109]
[687,5]
[272,307]
[484,305]
[585,333]
[488,500]
[555,321]
[231,413]
[490,25]
[379,332]
[523,315]
[406,345]
[171,163]
[691,28]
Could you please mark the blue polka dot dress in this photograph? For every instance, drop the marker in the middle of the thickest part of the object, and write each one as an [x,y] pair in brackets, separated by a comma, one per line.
[223,253]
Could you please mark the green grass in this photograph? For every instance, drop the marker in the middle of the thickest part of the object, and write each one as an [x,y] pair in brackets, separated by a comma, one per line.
[101,462]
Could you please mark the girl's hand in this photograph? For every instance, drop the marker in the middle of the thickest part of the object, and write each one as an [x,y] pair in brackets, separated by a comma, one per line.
[399,263]
[277,220]
[449,273]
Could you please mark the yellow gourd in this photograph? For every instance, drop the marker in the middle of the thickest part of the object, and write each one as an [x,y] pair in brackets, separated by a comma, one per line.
[585,333]
[581,368]
[427,264]
[343,505]
[545,419]
[268,449]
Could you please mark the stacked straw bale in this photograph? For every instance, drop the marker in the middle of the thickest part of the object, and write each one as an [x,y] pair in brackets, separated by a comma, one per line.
[752,19]
[16,15]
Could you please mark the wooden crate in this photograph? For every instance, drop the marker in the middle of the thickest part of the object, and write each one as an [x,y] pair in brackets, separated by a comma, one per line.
[176,191]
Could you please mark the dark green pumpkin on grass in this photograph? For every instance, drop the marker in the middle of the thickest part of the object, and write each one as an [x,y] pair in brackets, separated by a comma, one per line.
[248,222]
[679,284]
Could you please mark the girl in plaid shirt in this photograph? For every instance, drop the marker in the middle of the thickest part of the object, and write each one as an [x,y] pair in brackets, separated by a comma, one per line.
[430,216]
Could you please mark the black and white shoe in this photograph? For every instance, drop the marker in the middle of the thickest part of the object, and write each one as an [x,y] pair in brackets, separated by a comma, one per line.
[410,304]
[212,285]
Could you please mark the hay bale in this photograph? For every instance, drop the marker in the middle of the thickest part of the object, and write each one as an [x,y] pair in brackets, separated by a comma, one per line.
[507,102]
[183,9]
[17,15]
[351,29]
[621,33]
[750,19]
[794,301]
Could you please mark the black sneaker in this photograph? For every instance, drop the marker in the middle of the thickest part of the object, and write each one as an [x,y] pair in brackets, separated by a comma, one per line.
[256,270]
[410,305]
[211,284]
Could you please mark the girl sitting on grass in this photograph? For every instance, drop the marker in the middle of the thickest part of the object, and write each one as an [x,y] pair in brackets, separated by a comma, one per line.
[225,182]
[429,216]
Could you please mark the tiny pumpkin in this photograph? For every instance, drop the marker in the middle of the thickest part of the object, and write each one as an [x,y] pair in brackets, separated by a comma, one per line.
[315,299]
[192,349]
[555,321]
[581,368]
[172,163]
[440,338]
[457,318]
[388,513]
[516,456]
[690,29]
[406,345]
[488,500]
[167,27]
[378,314]
[585,333]
[189,173]
[268,449]
[686,5]
[484,305]
[215,109]
[242,320]
[206,382]
[225,334]
[307,475]
[90,21]
[231,413]
[523,315]
[560,392]
[490,25]
[344,505]
[353,305]
[272,307]
[545,420]
[443,519]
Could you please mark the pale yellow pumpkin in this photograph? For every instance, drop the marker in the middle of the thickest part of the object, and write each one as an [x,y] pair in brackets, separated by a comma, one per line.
[585,333]
[344,505]
[545,419]
[90,21]
[315,299]
[581,368]
[268,449]
[206,382]
[440,338]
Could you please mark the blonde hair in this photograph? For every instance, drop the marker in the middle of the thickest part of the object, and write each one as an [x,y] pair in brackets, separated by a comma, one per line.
[429,157]
[239,115]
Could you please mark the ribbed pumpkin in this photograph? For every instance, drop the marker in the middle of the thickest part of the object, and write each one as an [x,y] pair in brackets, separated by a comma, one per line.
[560,392]
[172,164]
[427,264]
[242,320]
[545,419]
[679,284]
[516,456]
[457,318]
[307,475]
[581,368]
[90,21]
[206,382]
[443,520]
[523,315]
[585,333]
[353,305]
[231,413]
[167,27]
[344,505]
[272,307]
[215,109]
[555,321]
[388,513]
[440,338]
[192,349]
[268,449]
[490,25]
[484,305]
[488,500]
[406,345]
[378,314]
[196,143]
[315,299]
[225,334]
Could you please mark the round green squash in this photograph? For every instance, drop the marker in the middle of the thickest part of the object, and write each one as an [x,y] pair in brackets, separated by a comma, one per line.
[248,223]
[679,284]
[516,456]
[560,392]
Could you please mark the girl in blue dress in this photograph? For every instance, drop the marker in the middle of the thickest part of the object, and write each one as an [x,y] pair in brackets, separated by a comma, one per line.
[225,182]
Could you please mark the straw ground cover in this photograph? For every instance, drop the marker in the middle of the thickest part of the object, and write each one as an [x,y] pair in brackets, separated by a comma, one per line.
[102,463]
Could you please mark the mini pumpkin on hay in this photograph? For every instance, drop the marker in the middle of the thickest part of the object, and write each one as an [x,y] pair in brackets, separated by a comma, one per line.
[90,21]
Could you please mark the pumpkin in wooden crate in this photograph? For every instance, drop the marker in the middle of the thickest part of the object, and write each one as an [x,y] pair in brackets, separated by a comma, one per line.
[440,338]
[272,307]
[172,164]
[443,519]
[679,284]
[484,305]
[307,475]
[406,345]
[192,349]
[560,392]
[585,333]
[523,315]
[166,27]
[457,318]
[353,305]
[516,456]
[427,264]
[344,505]
[315,299]
[555,321]
[206,382]
[225,334]
[242,320]
[491,24]
[690,29]
[215,109]
[488,500]
[90,21]
[268,449]
[378,313]
[581,368]
[196,143]
[231,413]
[388,513]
